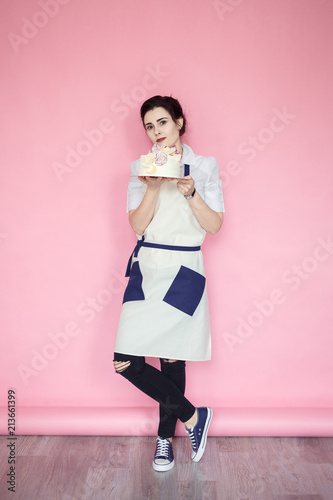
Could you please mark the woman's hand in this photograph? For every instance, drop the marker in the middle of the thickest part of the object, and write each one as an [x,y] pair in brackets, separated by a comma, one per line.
[140,217]
[186,185]
[153,182]
[208,219]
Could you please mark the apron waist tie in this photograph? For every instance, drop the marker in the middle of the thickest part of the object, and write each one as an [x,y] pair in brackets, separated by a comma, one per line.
[142,243]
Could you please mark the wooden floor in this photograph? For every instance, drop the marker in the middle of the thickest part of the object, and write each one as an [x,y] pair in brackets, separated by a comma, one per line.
[232,468]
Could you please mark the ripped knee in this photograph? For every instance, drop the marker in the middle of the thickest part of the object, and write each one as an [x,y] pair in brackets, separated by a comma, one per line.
[120,366]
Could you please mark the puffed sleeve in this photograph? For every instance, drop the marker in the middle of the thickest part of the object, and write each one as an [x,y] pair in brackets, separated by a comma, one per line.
[134,191]
[212,189]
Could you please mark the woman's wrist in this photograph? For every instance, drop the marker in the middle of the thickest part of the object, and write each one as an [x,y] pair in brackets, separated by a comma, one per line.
[190,196]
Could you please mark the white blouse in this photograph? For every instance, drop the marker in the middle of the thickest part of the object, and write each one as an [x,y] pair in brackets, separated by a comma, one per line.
[203,169]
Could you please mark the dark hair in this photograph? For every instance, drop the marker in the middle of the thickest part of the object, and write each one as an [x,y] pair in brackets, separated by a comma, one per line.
[172,106]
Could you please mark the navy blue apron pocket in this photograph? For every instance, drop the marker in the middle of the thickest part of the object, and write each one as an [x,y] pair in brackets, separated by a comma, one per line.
[186,290]
[134,286]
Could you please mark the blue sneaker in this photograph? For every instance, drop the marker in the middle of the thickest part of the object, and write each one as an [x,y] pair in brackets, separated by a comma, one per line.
[163,459]
[198,433]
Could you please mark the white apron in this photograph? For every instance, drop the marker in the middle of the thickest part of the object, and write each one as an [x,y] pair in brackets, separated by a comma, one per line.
[165,308]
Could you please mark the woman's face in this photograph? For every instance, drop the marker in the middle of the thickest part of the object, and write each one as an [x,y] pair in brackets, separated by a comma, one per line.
[161,128]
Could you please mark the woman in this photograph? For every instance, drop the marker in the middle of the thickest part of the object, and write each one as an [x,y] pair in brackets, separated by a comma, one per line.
[165,309]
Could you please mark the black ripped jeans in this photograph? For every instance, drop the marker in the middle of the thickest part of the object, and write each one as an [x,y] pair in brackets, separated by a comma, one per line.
[167,387]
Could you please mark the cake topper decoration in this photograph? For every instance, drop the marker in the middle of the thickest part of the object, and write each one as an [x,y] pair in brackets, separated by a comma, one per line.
[165,158]
[161,154]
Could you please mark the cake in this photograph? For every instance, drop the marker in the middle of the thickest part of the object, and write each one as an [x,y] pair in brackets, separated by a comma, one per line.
[161,162]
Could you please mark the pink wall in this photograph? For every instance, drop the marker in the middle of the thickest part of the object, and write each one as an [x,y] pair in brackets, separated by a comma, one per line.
[255,79]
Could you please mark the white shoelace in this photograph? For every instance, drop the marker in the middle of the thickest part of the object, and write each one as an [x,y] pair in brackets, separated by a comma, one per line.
[162,448]
[193,440]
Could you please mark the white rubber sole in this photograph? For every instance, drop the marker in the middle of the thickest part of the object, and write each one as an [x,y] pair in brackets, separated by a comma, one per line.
[163,468]
[203,443]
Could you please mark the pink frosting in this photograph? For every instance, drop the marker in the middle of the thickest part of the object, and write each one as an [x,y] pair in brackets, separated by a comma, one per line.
[168,150]
[161,154]
[160,159]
